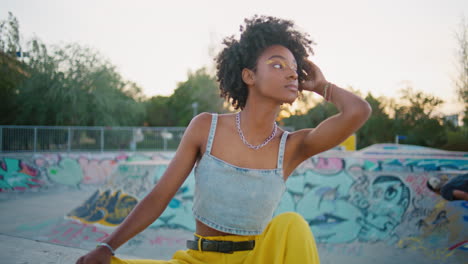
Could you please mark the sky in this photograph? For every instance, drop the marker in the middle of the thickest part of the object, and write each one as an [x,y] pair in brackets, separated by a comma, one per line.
[377,46]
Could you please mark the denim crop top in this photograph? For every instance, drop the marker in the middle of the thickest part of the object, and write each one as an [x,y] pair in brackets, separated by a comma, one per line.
[233,199]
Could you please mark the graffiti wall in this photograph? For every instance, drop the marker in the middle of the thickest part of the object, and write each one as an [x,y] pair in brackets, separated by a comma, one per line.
[25,172]
[356,203]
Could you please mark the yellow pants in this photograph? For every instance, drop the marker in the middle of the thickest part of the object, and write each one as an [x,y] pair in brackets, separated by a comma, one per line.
[286,239]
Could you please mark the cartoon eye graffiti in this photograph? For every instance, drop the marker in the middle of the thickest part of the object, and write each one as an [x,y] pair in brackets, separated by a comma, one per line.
[390,193]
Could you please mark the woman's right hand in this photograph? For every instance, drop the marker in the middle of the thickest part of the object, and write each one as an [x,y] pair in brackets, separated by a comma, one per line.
[315,80]
[100,255]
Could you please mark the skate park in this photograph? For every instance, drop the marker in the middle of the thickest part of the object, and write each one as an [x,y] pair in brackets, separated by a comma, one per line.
[94,108]
[366,206]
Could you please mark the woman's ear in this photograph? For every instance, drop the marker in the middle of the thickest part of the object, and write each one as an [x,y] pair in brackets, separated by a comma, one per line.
[248,76]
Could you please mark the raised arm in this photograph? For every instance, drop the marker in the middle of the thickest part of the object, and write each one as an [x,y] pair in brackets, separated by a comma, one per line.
[353,112]
[152,206]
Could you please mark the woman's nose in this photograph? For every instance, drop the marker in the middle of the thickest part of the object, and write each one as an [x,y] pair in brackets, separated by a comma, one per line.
[293,74]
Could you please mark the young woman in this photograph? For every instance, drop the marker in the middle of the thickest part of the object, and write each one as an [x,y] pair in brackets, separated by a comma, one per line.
[243,160]
[451,189]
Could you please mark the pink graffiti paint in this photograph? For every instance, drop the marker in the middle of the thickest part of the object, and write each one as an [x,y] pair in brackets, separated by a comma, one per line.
[121,157]
[335,164]
[410,178]
[96,171]
[40,162]
[418,184]
[160,159]
[72,233]
[170,241]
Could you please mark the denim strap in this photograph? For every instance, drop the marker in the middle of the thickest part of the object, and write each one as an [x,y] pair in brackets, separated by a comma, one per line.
[281,149]
[214,120]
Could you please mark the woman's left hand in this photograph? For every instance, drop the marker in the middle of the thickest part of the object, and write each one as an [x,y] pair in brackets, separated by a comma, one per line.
[315,81]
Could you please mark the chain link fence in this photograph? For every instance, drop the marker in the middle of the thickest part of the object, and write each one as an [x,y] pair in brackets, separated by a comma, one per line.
[53,139]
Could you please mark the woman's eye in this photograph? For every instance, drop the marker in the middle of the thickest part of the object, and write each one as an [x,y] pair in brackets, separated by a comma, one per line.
[277,66]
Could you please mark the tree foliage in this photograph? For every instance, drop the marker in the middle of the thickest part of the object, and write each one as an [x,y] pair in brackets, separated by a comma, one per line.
[413,117]
[379,128]
[71,85]
[200,93]
[461,81]
[312,117]
[158,112]
[12,71]
[10,35]
[74,85]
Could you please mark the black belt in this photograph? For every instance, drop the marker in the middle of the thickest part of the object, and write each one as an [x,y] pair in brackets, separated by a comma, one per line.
[220,246]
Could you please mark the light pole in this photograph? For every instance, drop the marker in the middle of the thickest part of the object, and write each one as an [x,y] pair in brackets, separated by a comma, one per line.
[398,137]
[195,108]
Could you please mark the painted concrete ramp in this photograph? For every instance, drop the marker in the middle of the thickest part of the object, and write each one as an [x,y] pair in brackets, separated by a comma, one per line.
[80,218]
[369,206]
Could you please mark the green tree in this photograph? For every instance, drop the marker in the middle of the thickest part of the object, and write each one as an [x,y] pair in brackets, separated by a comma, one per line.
[158,111]
[10,35]
[313,117]
[70,85]
[12,71]
[461,82]
[75,86]
[379,128]
[200,89]
[457,136]
[415,120]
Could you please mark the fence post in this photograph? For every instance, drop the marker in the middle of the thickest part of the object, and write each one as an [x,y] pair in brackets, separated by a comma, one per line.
[69,139]
[165,140]
[35,139]
[102,139]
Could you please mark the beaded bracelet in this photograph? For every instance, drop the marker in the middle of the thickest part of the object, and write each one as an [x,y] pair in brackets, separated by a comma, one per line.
[325,89]
[329,93]
[107,246]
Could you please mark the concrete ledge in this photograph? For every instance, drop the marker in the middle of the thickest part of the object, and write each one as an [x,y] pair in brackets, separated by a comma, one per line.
[15,250]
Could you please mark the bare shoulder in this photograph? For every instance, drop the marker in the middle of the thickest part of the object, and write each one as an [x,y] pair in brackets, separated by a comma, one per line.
[226,119]
[201,120]
[199,128]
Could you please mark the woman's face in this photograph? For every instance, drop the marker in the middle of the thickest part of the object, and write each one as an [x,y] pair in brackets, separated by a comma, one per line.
[276,74]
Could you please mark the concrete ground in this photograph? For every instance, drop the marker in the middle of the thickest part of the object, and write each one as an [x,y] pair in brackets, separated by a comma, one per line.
[20,209]
[16,250]
[25,237]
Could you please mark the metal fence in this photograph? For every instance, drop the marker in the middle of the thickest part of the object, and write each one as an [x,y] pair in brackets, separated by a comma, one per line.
[53,139]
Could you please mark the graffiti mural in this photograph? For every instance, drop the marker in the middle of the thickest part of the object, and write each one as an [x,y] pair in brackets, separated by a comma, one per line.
[342,208]
[178,214]
[16,175]
[96,171]
[106,208]
[352,201]
[71,170]
[66,172]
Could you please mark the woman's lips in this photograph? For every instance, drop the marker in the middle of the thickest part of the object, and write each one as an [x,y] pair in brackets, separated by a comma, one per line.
[292,87]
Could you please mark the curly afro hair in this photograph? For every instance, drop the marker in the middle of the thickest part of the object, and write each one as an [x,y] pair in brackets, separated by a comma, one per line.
[260,32]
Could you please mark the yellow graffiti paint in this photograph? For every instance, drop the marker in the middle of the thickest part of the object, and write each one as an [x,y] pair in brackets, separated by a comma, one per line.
[418,244]
[107,208]
[350,143]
